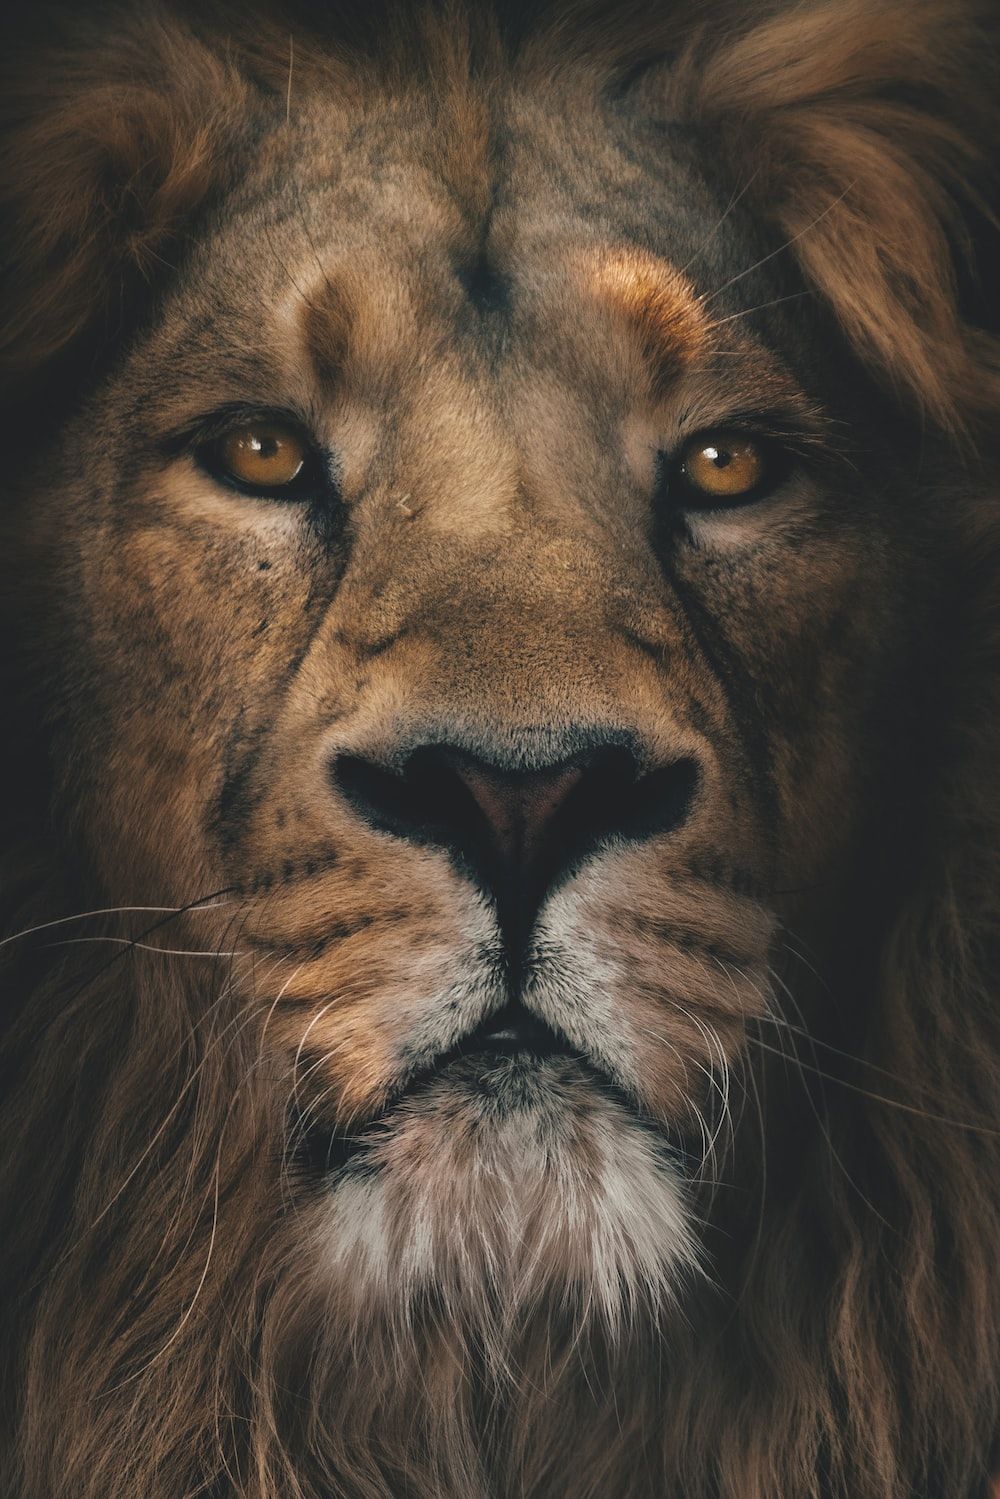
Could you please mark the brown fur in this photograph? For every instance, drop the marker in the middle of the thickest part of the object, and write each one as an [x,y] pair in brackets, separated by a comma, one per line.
[193,219]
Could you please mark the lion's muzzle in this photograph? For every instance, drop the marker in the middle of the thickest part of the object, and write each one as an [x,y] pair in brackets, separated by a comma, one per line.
[514,817]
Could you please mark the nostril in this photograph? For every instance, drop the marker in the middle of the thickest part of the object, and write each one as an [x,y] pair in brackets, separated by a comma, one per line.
[644,805]
[615,800]
[425,802]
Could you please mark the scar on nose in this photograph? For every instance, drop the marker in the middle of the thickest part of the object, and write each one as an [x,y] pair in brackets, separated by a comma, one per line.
[656,302]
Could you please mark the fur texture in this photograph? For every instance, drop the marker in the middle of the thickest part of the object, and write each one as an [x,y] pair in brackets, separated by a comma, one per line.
[738,1238]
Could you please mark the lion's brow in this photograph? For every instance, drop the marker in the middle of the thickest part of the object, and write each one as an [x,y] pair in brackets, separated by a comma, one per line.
[656,301]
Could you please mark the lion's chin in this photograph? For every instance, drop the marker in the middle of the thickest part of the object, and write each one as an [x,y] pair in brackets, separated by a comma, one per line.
[510,1179]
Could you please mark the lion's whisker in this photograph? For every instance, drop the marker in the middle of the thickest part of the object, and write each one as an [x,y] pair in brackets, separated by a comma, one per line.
[786,245]
[44,926]
[136,946]
[881,1098]
[760,307]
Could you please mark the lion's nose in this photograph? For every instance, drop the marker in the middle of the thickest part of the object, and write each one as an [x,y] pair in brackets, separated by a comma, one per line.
[518,830]
[519,808]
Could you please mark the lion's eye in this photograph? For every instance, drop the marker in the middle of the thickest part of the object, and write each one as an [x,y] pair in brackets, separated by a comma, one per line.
[724,468]
[267,457]
[262,455]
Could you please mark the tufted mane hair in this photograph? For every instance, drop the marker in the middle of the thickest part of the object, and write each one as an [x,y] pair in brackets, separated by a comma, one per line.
[869,120]
[161,1338]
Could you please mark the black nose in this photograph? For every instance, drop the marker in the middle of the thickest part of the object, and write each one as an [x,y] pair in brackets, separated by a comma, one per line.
[518,831]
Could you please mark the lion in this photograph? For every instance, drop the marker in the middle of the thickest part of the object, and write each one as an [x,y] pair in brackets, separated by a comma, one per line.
[501,896]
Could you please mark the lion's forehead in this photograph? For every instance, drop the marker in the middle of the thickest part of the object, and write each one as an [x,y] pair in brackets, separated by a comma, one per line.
[388,247]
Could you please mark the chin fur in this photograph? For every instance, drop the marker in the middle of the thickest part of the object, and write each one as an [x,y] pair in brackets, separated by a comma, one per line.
[496,1187]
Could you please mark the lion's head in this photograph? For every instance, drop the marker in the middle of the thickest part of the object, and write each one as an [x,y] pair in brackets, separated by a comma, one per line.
[499,562]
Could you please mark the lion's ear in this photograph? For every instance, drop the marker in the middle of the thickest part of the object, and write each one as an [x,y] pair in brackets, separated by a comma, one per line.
[861,129]
[112,141]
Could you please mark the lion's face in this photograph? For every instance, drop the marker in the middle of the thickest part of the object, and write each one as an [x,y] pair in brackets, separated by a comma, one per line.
[507,738]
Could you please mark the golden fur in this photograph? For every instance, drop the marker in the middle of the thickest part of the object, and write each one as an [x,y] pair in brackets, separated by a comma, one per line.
[497,264]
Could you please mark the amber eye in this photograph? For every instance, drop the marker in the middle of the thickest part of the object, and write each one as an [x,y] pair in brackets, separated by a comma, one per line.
[726,467]
[262,455]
